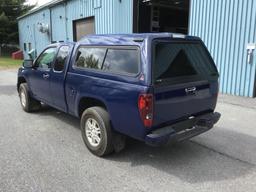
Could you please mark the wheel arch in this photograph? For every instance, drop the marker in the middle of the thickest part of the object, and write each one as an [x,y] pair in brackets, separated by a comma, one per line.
[21,80]
[87,102]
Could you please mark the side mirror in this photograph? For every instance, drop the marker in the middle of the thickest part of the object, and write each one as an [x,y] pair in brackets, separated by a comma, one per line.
[32,54]
[28,63]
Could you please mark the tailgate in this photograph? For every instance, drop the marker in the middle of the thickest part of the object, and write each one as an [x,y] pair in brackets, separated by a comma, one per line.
[173,103]
[185,80]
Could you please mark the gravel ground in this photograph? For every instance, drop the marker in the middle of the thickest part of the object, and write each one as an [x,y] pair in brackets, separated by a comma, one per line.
[44,151]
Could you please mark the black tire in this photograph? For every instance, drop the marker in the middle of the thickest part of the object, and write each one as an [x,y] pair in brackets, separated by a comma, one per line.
[30,104]
[101,116]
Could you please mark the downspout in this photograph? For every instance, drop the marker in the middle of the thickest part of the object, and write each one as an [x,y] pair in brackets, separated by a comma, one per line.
[50,25]
[66,21]
[189,17]
[34,35]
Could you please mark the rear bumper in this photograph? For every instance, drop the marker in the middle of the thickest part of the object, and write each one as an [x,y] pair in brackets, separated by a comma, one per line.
[183,130]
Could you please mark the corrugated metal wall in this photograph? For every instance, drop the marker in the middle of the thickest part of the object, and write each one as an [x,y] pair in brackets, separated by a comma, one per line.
[227,26]
[58,17]
[28,31]
[111,16]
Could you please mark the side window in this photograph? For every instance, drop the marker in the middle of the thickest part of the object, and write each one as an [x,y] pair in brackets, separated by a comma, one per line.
[90,57]
[46,58]
[122,61]
[61,58]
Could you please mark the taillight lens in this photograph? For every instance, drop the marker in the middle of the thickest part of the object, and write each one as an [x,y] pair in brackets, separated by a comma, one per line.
[145,105]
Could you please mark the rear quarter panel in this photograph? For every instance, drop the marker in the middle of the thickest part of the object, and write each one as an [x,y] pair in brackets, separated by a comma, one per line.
[119,94]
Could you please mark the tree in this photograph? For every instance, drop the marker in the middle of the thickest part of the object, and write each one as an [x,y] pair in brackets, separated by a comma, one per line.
[92,62]
[89,62]
[4,25]
[9,11]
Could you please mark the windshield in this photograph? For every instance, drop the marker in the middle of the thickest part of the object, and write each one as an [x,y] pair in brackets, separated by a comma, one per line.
[180,62]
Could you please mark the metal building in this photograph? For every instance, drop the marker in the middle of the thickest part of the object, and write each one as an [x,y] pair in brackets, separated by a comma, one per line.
[228,27]
[68,20]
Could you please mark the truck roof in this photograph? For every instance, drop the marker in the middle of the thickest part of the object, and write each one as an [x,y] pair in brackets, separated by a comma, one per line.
[135,38]
[125,39]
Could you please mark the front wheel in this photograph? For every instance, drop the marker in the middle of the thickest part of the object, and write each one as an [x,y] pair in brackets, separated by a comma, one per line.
[27,102]
[96,131]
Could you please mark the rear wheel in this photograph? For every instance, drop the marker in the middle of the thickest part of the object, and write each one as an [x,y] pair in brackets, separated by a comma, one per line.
[96,131]
[27,102]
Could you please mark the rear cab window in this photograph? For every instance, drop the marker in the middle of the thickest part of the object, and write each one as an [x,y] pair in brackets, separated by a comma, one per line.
[123,60]
[91,58]
[181,61]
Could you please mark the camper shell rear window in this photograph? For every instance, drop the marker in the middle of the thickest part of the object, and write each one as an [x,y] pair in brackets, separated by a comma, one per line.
[181,61]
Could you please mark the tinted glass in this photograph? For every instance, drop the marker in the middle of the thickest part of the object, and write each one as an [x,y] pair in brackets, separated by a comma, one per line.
[46,58]
[182,62]
[61,58]
[90,57]
[122,61]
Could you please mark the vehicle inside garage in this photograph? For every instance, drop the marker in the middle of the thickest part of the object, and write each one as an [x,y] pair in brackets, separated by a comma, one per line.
[161,16]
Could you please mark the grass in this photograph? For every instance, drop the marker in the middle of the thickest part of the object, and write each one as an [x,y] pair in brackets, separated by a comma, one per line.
[7,62]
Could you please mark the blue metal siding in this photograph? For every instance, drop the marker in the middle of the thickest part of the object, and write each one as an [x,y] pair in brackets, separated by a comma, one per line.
[96,4]
[227,27]
[58,17]
[124,16]
[28,31]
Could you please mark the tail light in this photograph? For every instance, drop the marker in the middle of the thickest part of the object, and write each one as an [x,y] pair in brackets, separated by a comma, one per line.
[145,105]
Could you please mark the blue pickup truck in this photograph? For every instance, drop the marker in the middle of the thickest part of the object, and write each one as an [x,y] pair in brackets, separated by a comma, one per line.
[152,87]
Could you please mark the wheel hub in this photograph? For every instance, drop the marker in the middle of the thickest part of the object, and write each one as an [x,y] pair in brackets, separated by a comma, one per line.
[93,132]
[23,98]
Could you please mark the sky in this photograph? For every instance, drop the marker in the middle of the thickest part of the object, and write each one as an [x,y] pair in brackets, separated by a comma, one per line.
[40,2]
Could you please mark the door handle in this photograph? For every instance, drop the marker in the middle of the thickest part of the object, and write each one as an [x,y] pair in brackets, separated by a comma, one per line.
[73,91]
[190,91]
[46,76]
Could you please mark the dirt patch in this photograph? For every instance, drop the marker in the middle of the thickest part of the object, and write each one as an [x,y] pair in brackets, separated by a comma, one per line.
[9,67]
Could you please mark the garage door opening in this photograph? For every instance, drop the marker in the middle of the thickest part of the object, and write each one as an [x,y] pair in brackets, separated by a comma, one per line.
[83,27]
[161,16]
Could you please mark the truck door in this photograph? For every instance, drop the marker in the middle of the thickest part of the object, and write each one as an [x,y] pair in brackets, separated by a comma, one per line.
[57,82]
[41,74]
